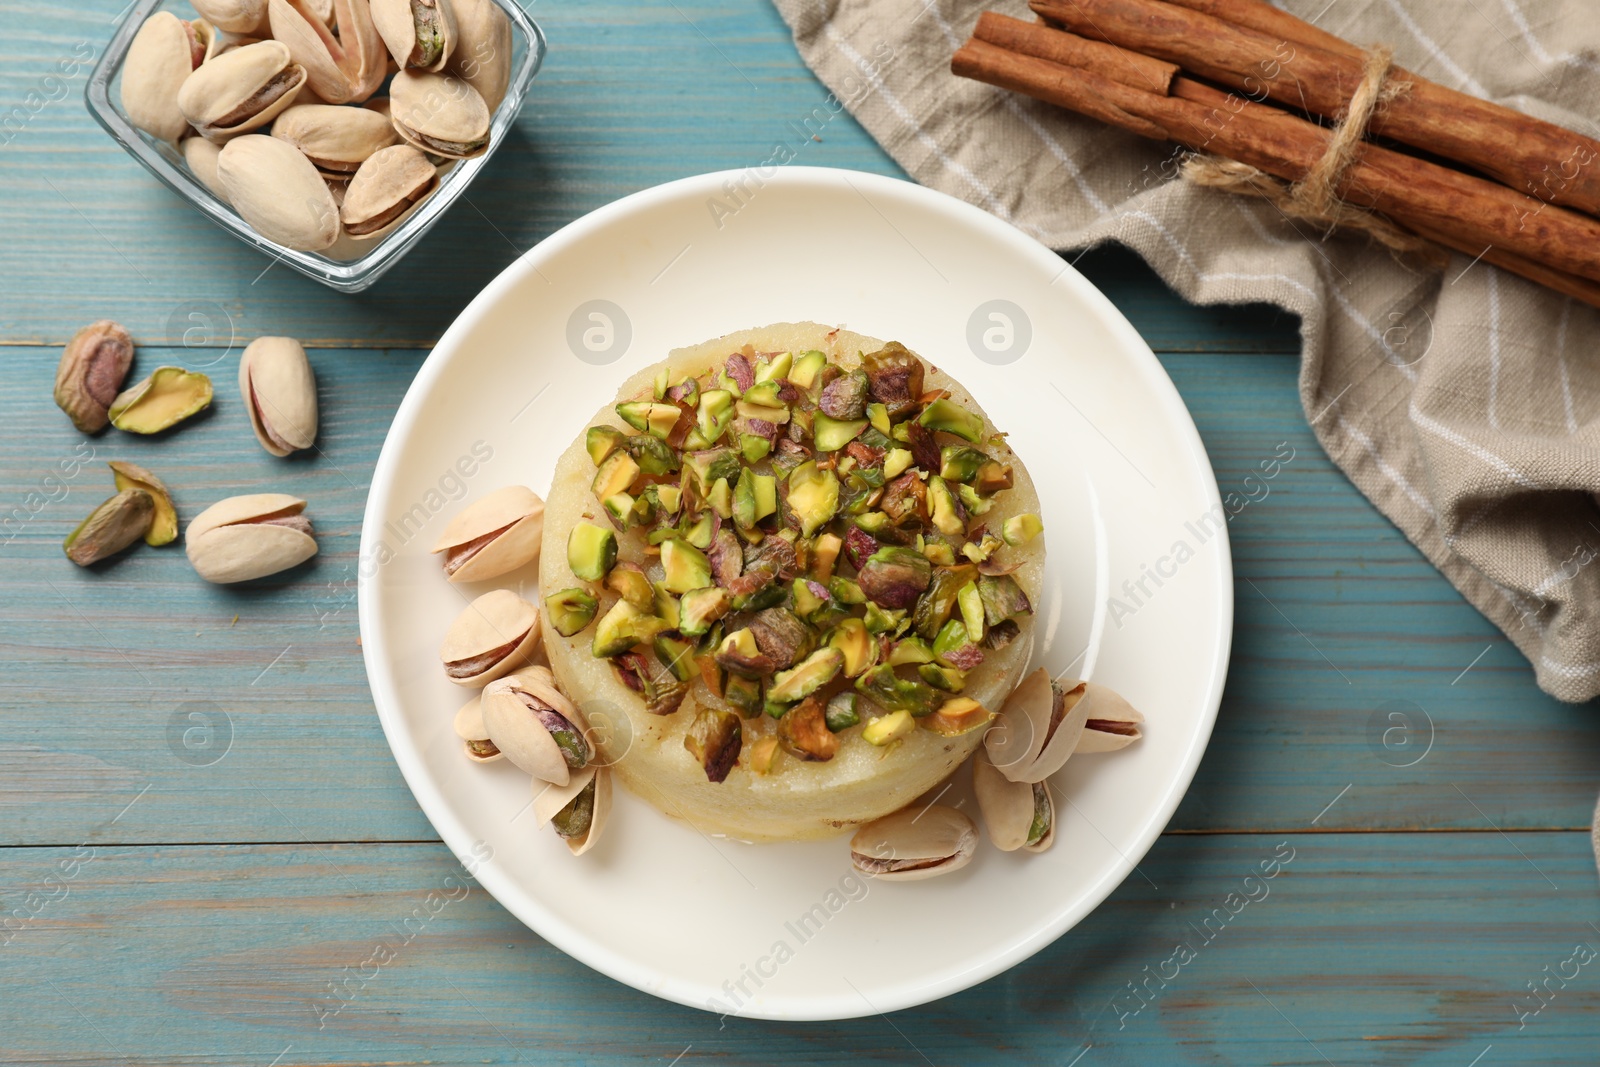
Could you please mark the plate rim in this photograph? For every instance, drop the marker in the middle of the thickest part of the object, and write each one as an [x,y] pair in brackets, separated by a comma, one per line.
[571,940]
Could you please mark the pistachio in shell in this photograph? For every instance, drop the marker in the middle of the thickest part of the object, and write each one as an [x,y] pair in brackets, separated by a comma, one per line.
[475,741]
[252,536]
[578,810]
[341,68]
[164,523]
[234,16]
[161,401]
[337,140]
[494,535]
[1110,722]
[278,191]
[439,113]
[201,156]
[493,636]
[420,34]
[111,527]
[90,374]
[164,52]
[280,394]
[1038,727]
[389,185]
[482,54]
[536,726]
[914,843]
[1016,814]
[241,90]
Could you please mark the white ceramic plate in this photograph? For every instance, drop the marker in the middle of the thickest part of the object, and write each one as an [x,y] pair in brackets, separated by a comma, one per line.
[788,931]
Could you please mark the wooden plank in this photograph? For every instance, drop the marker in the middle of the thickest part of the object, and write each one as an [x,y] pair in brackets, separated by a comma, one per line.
[632,94]
[1360,949]
[107,662]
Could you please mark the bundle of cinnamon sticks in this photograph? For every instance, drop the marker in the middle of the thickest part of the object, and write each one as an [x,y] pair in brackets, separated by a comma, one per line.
[1250,83]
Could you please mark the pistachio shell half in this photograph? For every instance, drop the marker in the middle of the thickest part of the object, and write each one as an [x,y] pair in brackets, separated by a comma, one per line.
[161,401]
[280,394]
[252,536]
[164,52]
[234,16]
[1038,728]
[494,535]
[90,374]
[279,193]
[482,54]
[420,33]
[493,636]
[536,726]
[385,190]
[340,69]
[164,523]
[201,156]
[914,843]
[111,527]
[578,810]
[337,140]
[1016,814]
[475,742]
[439,113]
[241,90]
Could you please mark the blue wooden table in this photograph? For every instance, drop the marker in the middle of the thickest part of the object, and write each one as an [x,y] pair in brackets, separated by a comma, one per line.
[203,836]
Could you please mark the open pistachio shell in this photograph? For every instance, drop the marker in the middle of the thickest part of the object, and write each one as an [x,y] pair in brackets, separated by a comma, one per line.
[536,726]
[1011,809]
[93,366]
[420,34]
[475,742]
[1037,729]
[279,193]
[234,16]
[241,90]
[1110,722]
[914,843]
[164,523]
[387,188]
[340,69]
[164,52]
[482,53]
[551,801]
[252,536]
[201,156]
[493,636]
[439,113]
[337,140]
[280,394]
[494,535]
[161,401]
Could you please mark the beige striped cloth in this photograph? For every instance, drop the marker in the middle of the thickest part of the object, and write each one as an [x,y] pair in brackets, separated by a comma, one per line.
[1465,403]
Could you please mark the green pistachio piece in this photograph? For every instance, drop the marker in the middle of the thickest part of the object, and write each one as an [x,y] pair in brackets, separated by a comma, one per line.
[944,509]
[887,729]
[699,532]
[720,498]
[881,620]
[830,435]
[857,646]
[878,415]
[753,448]
[571,610]
[910,650]
[744,501]
[620,506]
[670,498]
[601,441]
[940,554]
[111,527]
[813,497]
[807,602]
[972,610]
[1020,529]
[710,464]
[714,413]
[959,463]
[948,416]
[887,689]
[617,472]
[841,712]
[1044,812]
[992,477]
[623,627]
[894,576]
[685,567]
[744,694]
[805,369]
[653,454]
[591,551]
[164,524]
[648,416]
[161,401]
[806,677]
[659,386]
[972,500]
[629,582]
[677,656]
[1002,599]
[946,679]
[763,394]
[896,461]
[700,608]
[846,591]
[775,370]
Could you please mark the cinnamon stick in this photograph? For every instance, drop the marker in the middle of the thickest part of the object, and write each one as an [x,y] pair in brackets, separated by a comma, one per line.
[1475,214]
[1059,46]
[1539,158]
[1273,21]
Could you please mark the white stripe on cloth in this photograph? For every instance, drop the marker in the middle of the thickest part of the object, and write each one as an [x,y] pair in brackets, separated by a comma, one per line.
[1440,430]
[1494,348]
[1468,82]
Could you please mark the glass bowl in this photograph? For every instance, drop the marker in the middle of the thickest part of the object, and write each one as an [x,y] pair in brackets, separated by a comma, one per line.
[367,261]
